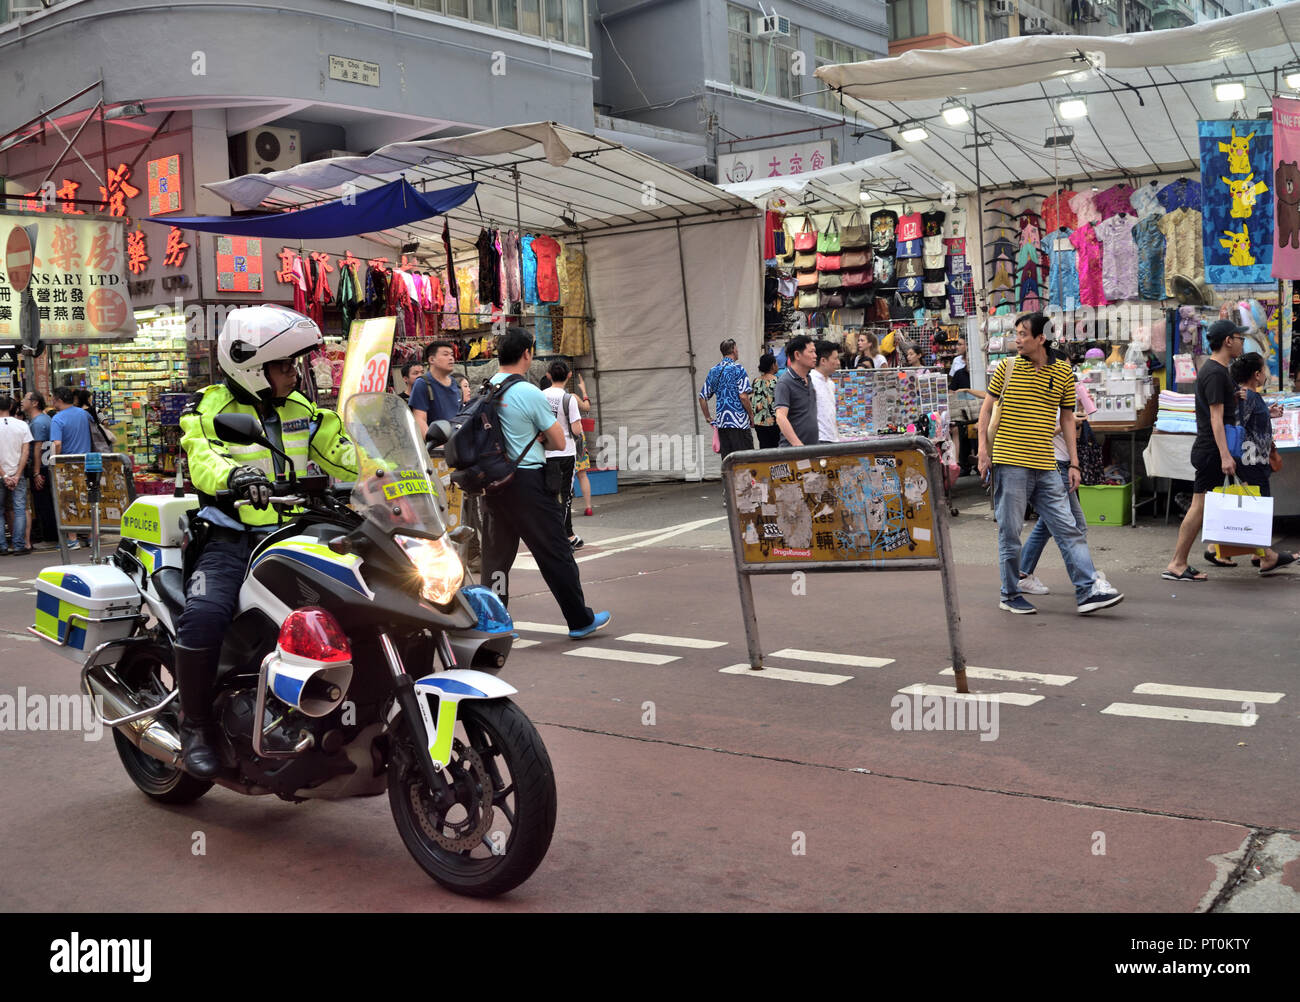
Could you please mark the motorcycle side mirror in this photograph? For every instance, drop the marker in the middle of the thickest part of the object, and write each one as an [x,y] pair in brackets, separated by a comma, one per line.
[240,429]
[437,435]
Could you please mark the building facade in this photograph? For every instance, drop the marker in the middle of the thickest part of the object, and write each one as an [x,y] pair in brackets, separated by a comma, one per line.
[943,24]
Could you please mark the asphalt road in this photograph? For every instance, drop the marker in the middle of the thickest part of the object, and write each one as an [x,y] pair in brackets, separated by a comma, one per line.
[1119,770]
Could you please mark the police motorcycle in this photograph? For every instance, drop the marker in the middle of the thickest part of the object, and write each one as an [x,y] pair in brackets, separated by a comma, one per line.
[358,662]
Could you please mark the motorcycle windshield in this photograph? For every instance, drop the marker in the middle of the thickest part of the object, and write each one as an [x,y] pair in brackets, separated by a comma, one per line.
[395,485]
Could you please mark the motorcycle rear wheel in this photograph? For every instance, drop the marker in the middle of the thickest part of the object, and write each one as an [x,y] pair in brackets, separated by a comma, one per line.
[142,670]
[495,742]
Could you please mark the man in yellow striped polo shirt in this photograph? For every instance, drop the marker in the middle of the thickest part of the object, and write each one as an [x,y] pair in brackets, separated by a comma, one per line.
[1033,390]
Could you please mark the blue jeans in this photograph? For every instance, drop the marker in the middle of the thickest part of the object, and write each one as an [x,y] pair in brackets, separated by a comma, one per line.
[1013,488]
[1038,537]
[20,514]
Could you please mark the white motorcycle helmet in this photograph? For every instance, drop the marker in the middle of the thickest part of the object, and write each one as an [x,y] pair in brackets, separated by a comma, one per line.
[255,335]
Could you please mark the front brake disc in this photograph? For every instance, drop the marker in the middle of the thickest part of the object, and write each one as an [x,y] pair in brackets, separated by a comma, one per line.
[458,836]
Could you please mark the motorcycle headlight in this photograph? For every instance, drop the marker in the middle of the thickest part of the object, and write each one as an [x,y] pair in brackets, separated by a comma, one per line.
[440,569]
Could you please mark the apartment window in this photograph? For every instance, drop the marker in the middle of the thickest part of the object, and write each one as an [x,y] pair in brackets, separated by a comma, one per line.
[995,27]
[908,19]
[761,64]
[557,20]
[827,51]
[966,20]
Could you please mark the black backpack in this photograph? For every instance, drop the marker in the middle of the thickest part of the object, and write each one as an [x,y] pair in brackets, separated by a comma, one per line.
[477,451]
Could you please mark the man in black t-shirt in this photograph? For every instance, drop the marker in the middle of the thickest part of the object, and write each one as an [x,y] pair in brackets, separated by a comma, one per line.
[1216,407]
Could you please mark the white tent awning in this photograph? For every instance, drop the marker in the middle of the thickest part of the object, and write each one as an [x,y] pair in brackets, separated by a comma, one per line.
[1145,94]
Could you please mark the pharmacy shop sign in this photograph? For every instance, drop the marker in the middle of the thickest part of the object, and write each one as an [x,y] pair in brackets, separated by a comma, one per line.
[77,280]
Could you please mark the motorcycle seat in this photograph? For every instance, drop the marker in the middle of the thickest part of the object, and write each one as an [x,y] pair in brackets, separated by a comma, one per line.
[171,589]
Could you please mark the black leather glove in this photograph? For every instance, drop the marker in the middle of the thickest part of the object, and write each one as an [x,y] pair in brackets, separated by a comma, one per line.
[251,483]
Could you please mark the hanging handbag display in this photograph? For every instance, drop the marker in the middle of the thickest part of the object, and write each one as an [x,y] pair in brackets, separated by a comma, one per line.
[829,280]
[860,258]
[855,279]
[806,262]
[859,298]
[806,238]
[807,279]
[830,300]
[855,235]
[808,300]
[828,241]
[880,312]
[828,262]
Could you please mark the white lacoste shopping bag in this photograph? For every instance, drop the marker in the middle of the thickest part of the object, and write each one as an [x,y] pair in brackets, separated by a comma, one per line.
[1232,515]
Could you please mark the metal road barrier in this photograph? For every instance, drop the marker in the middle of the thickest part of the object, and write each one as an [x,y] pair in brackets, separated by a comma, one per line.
[877,505]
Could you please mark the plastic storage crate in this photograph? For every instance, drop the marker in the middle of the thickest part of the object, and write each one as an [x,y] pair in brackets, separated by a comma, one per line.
[602,482]
[1107,504]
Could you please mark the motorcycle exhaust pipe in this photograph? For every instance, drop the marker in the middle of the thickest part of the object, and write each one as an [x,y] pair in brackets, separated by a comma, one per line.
[152,737]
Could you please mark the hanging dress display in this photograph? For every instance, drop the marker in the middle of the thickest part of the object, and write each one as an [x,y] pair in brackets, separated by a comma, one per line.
[513,283]
[1184,254]
[1056,211]
[573,340]
[529,260]
[489,269]
[1063,272]
[1146,201]
[1085,210]
[547,252]
[1085,242]
[1114,200]
[1119,264]
[1151,256]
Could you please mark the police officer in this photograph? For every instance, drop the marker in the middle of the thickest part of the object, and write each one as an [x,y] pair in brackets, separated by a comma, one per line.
[257,352]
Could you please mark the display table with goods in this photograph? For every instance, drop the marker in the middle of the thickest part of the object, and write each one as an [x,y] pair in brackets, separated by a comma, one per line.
[876,403]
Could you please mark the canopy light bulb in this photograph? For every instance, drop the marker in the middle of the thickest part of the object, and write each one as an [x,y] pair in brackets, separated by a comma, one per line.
[1229,90]
[1292,77]
[913,132]
[1071,108]
[955,113]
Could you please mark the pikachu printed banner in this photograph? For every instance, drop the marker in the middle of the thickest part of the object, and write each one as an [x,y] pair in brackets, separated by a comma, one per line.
[1237,200]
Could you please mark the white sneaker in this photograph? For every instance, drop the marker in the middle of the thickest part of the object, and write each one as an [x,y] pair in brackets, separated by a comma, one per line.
[1030,585]
[1104,586]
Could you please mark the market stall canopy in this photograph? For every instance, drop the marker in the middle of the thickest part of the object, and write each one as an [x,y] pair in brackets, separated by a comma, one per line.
[567,181]
[1144,93]
[890,177]
[393,204]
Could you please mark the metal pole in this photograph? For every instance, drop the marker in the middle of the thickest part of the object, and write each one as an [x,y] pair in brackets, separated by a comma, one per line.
[519,238]
[979,206]
[690,344]
[948,576]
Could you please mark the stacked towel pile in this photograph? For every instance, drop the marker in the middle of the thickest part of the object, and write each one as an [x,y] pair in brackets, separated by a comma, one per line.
[1177,413]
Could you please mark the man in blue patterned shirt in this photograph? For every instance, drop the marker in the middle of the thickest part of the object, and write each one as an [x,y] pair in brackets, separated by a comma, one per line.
[729,380]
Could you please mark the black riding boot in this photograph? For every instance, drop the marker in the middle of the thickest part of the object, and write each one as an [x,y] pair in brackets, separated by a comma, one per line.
[196,668]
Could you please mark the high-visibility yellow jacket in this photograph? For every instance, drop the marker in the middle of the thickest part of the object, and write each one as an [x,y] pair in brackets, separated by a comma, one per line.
[310,434]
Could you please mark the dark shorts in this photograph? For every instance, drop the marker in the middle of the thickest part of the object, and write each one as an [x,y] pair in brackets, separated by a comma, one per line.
[1209,474]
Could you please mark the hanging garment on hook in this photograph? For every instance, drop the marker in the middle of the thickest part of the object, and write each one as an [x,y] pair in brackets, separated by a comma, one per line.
[512,283]
[489,268]
[530,268]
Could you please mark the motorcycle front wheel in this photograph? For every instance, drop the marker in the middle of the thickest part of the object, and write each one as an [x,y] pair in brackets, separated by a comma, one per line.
[497,830]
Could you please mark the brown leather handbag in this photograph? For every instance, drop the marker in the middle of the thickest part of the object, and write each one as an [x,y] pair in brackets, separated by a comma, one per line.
[855,279]
[852,260]
[807,279]
[856,235]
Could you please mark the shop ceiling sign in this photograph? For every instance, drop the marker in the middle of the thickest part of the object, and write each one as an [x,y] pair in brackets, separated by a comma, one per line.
[78,279]
[779,161]
[1286,187]
[1237,200]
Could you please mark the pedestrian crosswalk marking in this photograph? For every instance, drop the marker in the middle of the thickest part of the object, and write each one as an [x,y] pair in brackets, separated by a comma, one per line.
[5,589]
[3,578]
[542,628]
[609,654]
[521,642]
[1178,713]
[1196,692]
[831,658]
[1013,698]
[655,638]
[787,675]
[1007,675]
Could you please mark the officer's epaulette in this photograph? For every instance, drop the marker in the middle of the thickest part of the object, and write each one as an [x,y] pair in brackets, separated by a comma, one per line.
[192,405]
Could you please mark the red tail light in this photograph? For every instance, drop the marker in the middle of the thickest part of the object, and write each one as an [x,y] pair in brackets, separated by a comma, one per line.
[314,634]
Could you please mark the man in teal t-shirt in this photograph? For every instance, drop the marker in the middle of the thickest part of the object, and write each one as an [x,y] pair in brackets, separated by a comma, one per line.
[524,508]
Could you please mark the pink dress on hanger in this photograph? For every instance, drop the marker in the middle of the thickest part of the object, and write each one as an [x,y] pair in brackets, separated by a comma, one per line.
[1085,242]
[1085,208]
[1114,200]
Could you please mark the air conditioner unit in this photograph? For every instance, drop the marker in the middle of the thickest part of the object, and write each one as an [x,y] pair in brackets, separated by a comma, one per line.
[1036,26]
[268,149]
[1002,8]
[772,25]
